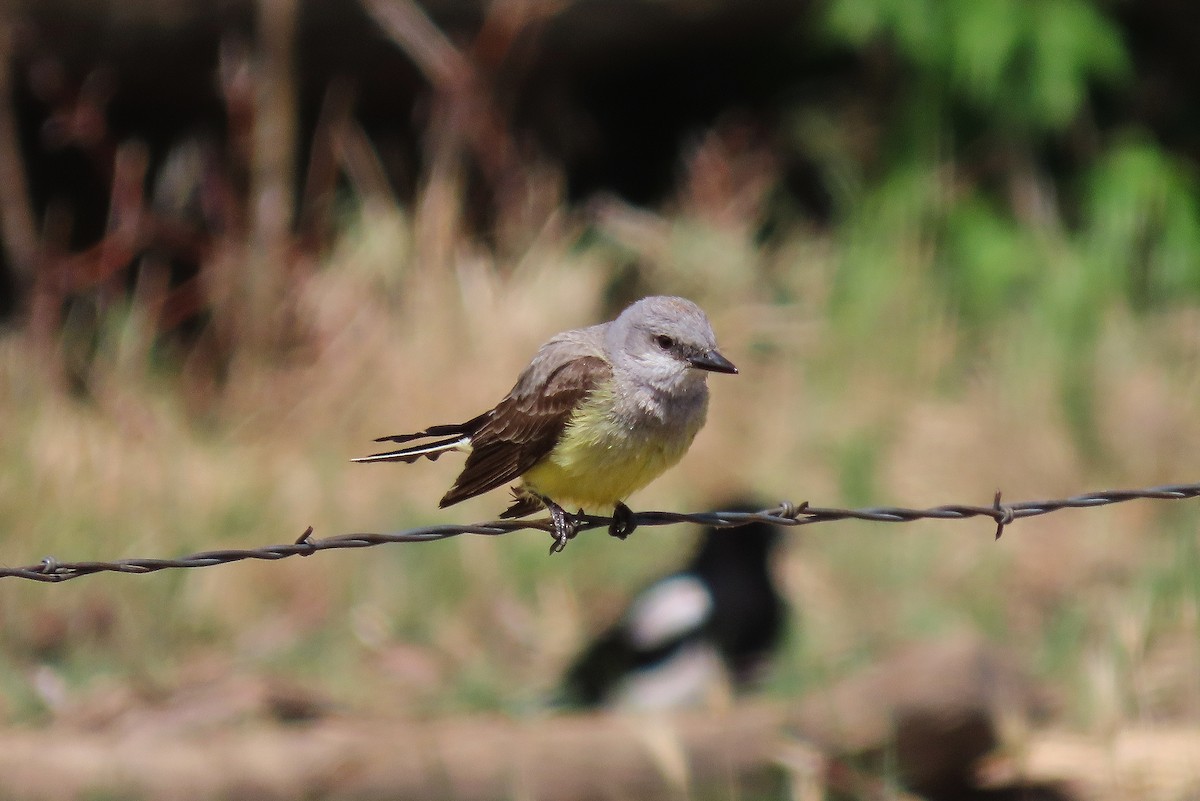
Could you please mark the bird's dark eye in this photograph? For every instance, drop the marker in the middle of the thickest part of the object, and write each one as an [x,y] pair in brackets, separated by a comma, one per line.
[664,342]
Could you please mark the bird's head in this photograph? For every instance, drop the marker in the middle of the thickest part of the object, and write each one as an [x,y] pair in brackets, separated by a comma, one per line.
[668,339]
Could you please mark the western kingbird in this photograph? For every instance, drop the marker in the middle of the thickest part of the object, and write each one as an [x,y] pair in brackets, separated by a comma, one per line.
[599,413]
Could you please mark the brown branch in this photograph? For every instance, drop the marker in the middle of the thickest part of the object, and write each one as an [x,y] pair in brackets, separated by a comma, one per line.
[927,716]
[411,29]
[17,226]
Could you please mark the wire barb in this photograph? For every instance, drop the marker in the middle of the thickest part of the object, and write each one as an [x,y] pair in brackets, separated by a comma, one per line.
[1004,514]
[306,539]
[50,570]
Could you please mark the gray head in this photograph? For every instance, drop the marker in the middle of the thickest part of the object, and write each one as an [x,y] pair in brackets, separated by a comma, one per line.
[667,339]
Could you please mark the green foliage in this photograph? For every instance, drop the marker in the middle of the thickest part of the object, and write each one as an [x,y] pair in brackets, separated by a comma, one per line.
[1141,226]
[1022,61]
[984,185]
[989,260]
[1023,69]
[857,469]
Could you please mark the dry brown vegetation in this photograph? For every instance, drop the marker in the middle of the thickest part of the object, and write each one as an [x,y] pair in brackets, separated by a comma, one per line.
[1101,605]
[140,441]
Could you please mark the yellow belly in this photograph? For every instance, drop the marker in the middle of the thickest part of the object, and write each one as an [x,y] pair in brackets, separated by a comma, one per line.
[599,461]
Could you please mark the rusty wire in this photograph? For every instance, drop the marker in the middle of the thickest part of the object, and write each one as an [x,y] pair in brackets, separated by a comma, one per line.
[51,570]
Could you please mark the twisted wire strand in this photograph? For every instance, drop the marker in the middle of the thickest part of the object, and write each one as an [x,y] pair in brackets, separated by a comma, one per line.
[51,570]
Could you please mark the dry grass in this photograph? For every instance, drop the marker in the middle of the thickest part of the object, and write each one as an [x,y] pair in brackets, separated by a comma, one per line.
[1105,604]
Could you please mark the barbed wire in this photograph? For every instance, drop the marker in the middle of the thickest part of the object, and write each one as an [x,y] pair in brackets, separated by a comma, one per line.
[51,570]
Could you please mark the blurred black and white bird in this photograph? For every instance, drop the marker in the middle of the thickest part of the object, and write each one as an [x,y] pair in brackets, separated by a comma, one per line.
[709,627]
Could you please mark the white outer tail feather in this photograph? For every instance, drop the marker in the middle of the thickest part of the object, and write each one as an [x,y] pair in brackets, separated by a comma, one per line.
[417,451]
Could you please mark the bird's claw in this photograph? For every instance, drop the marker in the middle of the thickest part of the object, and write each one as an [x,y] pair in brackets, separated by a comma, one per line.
[623,523]
[566,526]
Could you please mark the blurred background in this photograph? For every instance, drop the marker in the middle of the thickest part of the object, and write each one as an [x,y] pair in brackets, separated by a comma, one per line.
[953,247]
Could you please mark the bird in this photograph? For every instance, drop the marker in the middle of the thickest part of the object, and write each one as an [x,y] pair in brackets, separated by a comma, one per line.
[598,413]
[713,623]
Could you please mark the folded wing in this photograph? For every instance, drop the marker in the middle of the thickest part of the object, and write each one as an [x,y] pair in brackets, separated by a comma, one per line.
[526,425]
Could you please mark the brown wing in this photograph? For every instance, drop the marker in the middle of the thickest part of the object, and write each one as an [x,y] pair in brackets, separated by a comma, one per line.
[525,426]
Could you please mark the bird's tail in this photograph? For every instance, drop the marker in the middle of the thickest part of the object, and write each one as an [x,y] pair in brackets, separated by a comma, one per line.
[457,438]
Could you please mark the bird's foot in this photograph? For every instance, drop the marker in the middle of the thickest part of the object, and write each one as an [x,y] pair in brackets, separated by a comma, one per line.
[566,525]
[623,522]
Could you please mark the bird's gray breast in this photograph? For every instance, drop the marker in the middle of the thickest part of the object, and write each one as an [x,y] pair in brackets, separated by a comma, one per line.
[671,411]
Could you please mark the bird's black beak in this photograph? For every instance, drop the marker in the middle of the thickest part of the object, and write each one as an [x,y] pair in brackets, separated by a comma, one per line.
[713,362]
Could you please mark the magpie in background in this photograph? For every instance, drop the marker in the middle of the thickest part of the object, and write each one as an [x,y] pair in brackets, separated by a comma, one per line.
[710,626]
